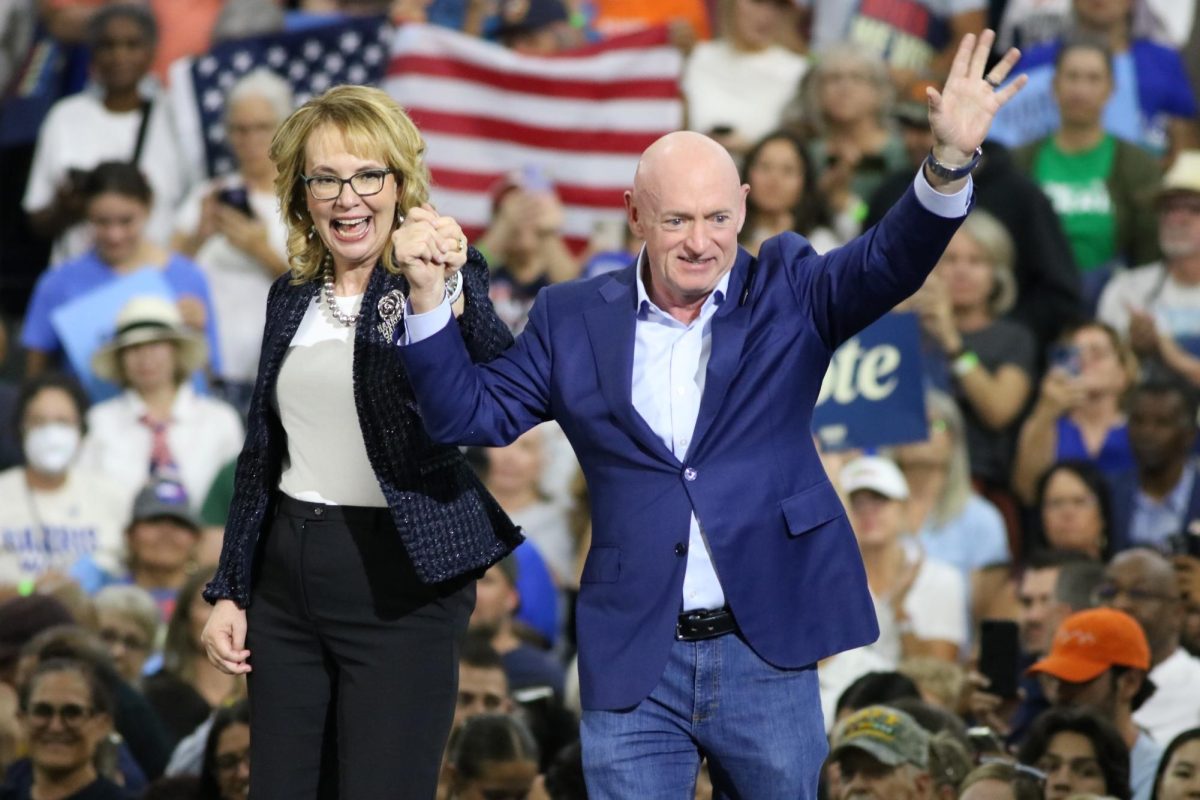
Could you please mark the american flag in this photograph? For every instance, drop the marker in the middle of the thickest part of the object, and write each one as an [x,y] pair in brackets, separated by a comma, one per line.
[581,118]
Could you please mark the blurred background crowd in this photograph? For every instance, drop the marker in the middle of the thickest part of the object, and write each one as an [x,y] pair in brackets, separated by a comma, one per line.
[1051,518]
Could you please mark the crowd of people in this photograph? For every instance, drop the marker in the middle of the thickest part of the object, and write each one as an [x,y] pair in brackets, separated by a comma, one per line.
[1057,489]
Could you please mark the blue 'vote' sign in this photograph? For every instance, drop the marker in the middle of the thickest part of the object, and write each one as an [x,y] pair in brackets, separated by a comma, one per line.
[873,393]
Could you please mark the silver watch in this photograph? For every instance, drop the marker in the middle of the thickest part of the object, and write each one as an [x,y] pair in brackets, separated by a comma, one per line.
[952,173]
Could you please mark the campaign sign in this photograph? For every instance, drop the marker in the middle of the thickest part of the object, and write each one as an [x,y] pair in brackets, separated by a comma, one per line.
[874,392]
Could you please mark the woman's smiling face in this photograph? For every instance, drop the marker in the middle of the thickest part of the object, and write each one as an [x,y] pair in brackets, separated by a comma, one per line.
[355,229]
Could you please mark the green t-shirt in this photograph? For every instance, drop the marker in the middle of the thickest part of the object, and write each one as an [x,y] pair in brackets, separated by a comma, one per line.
[1075,184]
[215,510]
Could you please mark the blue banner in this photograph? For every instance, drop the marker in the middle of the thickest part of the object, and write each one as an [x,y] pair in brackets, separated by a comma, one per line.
[874,392]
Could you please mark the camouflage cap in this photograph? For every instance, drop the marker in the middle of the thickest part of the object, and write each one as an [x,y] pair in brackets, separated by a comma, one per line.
[890,735]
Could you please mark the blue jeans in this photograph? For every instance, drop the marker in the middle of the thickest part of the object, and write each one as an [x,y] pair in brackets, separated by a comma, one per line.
[760,727]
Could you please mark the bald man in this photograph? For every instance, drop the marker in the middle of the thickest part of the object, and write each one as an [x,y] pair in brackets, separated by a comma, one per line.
[722,567]
[1143,584]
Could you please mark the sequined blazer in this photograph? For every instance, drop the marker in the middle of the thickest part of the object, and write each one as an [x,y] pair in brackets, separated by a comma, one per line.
[448,522]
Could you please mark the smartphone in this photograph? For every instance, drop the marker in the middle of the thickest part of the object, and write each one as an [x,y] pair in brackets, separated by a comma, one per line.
[1066,358]
[236,197]
[1186,543]
[999,656]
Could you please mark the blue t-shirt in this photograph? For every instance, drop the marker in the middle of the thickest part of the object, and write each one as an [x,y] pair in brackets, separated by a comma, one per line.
[1150,85]
[974,539]
[1115,456]
[74,278]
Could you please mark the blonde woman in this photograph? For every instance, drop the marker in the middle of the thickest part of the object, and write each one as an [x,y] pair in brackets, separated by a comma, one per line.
[988,360]
[352,541]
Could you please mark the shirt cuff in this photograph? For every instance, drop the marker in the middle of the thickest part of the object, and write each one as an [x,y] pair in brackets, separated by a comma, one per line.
[418,327]
[950,206]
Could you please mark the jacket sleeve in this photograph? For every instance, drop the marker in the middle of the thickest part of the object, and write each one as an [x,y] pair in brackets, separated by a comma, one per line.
[485,404]
[851,286]
[485,334]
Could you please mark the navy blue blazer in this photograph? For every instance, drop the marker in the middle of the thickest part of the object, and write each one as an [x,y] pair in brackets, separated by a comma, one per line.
[783,548]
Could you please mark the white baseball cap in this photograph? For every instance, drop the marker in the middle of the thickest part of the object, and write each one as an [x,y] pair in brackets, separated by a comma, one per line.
[880,475]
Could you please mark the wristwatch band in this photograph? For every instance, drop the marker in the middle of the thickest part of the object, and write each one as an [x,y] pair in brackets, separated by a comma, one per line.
[952,173]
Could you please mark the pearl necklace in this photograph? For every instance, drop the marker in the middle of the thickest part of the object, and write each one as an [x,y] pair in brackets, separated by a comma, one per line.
[349,320]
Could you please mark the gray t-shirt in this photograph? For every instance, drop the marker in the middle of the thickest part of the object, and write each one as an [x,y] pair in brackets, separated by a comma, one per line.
[1002,342]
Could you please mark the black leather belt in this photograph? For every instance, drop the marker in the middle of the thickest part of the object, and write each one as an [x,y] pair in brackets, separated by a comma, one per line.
[695,625]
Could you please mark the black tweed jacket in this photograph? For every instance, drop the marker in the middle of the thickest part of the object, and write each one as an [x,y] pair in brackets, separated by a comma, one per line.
[448,522]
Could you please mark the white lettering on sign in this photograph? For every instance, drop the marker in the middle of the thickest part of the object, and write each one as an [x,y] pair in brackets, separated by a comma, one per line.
[855,373]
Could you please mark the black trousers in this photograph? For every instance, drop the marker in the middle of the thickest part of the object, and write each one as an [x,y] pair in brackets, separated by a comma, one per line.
[355,660]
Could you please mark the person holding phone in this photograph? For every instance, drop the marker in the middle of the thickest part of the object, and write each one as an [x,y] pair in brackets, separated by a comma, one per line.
[1078,413]
[231,226]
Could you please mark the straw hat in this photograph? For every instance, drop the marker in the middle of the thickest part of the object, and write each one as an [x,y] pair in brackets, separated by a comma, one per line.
[1184,175]
[149,319]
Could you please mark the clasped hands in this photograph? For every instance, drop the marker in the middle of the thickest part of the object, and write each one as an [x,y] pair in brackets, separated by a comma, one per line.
[428,248]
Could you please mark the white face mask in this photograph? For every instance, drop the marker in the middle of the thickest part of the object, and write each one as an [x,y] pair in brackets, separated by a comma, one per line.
[49,448]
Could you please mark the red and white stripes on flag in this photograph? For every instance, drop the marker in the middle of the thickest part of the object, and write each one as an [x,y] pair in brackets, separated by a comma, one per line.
[582,117]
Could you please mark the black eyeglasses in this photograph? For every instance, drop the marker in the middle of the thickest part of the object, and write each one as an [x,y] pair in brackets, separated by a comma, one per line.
[365,183]
[71,714]
[1107,592]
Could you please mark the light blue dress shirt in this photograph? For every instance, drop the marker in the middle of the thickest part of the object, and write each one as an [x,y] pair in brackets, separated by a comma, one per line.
[670,362]
[1154,522]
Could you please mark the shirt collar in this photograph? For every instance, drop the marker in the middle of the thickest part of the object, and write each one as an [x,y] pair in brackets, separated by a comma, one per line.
[1176,500]
[185,399]
[646,305]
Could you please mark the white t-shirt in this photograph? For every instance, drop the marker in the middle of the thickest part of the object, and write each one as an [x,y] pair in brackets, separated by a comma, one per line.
[744,91]
[1175,306]
[79,133]
[239,284]
[1027,23]
[936,606]
[1168,22]
[326,460]
[41,530]
[1175,705]
[836,673]
[546,525]
[205,434]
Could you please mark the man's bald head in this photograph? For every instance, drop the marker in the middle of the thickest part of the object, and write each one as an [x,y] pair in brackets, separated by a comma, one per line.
[1142,583]
[1148,566]
[673,156]
[688,205]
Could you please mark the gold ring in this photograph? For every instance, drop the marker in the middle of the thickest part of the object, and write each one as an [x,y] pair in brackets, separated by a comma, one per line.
[462,244]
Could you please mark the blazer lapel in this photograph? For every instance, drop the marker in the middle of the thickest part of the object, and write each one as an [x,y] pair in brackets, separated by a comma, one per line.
[729,327]
[611,328]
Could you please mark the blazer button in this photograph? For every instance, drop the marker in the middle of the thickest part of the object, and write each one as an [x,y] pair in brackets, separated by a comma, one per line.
[680,549]
[689,474]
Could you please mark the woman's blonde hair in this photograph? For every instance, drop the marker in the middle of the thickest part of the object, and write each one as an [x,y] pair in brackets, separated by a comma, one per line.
[804,111]
[373,125]
[993,238]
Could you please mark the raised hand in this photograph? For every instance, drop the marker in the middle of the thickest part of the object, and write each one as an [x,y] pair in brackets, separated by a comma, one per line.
[428,248]
[962,112]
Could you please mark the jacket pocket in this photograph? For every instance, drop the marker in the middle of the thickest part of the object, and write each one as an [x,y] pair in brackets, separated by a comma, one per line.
[811,508]
[603,565]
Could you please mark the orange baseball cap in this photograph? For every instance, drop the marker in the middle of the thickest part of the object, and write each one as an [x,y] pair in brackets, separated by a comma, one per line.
[1088,643]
